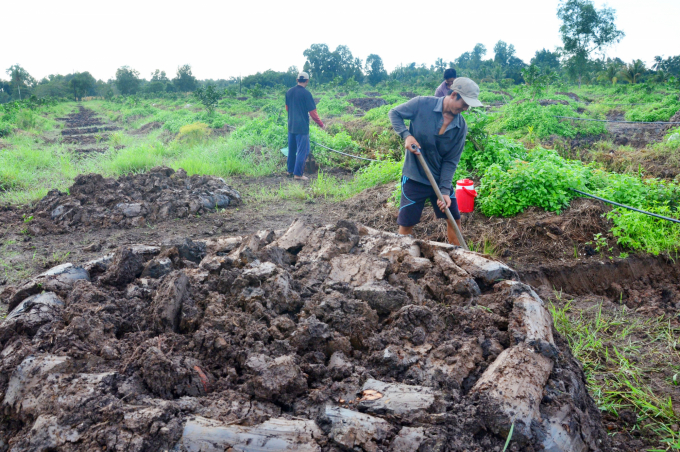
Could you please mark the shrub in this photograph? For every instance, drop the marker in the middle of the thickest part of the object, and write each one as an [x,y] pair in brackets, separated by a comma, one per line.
[192,134]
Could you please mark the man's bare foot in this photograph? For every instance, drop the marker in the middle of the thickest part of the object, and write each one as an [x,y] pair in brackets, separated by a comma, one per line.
[301,178]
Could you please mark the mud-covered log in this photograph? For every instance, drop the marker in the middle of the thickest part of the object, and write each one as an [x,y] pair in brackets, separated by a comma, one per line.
[206,435]
[513,386]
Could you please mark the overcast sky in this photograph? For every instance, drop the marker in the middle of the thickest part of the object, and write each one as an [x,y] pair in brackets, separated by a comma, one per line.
[223,39]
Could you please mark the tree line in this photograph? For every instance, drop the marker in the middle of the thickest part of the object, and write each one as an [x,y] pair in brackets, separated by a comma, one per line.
[586,33]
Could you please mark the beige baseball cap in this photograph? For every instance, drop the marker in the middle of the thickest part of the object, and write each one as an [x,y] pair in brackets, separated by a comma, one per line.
[305,76]
[468,90]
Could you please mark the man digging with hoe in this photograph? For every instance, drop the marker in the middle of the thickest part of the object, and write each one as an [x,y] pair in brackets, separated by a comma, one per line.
[437,131]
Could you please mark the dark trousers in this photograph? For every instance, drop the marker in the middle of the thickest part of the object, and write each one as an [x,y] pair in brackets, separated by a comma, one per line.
[298,150]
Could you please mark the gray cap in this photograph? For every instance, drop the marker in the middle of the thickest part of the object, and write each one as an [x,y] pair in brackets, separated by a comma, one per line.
[468,90]
[305,76]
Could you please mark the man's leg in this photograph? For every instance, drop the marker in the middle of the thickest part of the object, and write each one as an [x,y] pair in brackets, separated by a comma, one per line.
[413,195]
[292,152]
[302,153]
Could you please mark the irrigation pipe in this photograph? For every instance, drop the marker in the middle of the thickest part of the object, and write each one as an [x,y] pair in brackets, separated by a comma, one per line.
[348,155]
[620,122]
[674,220]
[326,147]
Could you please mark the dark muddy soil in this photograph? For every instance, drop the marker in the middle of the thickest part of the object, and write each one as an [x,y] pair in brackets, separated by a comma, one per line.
[325,338]
[572,96]
[86,130]
[409,94]
[135,200]
[635,135]
[367,103]
[110,327]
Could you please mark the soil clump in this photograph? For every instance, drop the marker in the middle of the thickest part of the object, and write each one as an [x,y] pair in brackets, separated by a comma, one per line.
[336,337]
[367,103]
[85,128]
[130,201]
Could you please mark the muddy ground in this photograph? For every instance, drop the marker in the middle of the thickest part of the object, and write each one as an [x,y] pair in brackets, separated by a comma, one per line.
[335,337]
[86,131]
[538,245]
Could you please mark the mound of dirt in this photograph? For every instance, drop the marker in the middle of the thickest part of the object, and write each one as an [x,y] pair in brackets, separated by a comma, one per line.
[504,93]
[130,201]
[146,128]
[545,102]
[335,337]
[570,95]
[372,93]
[367,103]
[409,94]
[674,118]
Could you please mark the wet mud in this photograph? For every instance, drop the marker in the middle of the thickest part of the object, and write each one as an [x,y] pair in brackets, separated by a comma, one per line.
[314,338]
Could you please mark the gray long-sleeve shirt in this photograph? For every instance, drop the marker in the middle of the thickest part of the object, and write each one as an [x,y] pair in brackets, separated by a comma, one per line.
[441,152]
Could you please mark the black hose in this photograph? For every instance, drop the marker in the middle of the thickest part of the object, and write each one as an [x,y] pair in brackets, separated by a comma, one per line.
[620,122]
[348,155]
[674,220]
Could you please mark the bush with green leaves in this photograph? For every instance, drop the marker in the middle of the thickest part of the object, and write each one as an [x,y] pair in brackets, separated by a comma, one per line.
[531,117]
[543,180]
[208,96]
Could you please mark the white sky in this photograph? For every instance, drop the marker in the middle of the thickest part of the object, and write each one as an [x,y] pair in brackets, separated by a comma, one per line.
[223,39]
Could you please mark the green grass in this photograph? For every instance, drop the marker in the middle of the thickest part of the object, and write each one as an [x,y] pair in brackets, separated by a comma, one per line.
[624,359]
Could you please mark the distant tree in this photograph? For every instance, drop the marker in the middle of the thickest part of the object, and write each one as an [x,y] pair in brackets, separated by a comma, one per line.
[159,76]
[546,59]
[19,78]
[208,96]
[632,72]
[81,84]
[478,52]
[319,63]
[610,74]
[127,80]
[184,81]
[503,52]
[670,65]
[586,31]
[375,71]
[440,65]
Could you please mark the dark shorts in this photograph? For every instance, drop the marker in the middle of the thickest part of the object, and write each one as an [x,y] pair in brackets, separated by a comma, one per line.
[413,197]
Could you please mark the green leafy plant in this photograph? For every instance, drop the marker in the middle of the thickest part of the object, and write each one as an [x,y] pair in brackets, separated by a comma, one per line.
[208,96]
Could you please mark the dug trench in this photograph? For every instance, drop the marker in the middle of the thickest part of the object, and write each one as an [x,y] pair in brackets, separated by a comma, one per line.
[197,336]
[316,337]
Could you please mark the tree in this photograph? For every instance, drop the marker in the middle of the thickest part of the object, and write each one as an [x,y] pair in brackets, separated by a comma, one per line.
[586,30]
[185,80]
[375,71]
[503,52]
[440,65]
[19,77]
[208,96]
[546,59]
[611,73]
[81,84]
[159,76]
[477,54]
[632,72]
[670,65]
[127,80]
[319,60]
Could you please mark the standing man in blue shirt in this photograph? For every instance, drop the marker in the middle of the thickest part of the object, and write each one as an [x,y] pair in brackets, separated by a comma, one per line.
[438,129]
[300,106]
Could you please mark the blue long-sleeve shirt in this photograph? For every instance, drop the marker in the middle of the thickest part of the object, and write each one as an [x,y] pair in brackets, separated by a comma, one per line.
[441,152]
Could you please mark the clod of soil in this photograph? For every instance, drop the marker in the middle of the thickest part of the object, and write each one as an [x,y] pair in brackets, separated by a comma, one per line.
[367,103]
[409,94]
[146,128]
[130,201]
[313,338]
[573,96]
[372,93]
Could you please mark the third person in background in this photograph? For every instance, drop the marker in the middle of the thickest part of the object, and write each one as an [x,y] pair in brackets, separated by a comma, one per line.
[445,88]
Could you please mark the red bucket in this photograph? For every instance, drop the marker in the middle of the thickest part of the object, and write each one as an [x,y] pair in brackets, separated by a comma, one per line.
[465,195]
